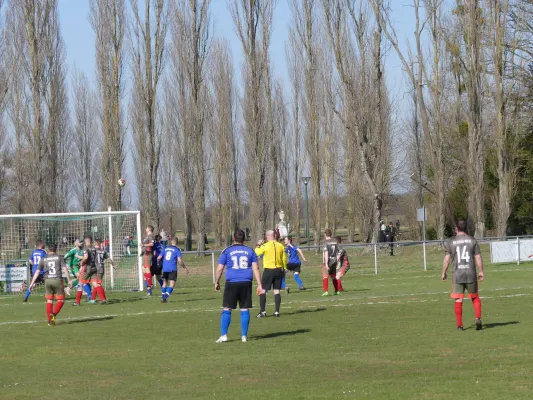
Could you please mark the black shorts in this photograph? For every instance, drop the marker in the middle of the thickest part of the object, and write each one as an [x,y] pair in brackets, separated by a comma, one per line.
[40,279]
[237,292]
[170,276]
[272,278]
[294,267]
[156,269]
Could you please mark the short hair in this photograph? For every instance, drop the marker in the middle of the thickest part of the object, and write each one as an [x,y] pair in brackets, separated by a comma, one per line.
[338,239]
[39,243]
[461,226]
[328,232]
[52,247]
[289,238]
[158,237]
[151,227]
[270,233]
[89,237]
[174,240]
[239,236]
[97,240]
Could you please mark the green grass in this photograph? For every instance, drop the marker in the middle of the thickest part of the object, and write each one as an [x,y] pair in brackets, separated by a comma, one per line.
[390,336]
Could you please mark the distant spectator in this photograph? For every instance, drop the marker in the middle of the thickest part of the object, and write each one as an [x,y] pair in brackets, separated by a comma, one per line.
[164,238]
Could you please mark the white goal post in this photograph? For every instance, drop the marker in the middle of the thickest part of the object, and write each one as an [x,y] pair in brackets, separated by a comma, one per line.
[120,232]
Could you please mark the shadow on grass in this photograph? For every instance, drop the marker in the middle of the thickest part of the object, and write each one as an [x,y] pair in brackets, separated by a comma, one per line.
[125,300]
[305,311]
[498,324]
[279,334]
[201,299]
[90,319]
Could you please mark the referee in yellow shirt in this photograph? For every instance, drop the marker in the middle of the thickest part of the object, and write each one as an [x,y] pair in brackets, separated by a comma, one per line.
[274,262]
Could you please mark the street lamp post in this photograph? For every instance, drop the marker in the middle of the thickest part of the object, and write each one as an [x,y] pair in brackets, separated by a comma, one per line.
[305,180]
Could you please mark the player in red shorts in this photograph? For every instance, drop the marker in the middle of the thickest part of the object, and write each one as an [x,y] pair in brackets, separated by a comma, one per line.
[343,264]
[147,255]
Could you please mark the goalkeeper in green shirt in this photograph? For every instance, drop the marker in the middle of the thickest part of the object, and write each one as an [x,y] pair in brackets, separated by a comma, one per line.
[73,259]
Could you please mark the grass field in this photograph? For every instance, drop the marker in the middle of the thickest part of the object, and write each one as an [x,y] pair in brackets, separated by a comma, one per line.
[390,336]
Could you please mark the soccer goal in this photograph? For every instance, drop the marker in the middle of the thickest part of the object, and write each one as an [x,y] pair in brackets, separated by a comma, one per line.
[120,231]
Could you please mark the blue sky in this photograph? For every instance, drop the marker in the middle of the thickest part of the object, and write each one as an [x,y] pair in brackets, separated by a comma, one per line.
[79,38]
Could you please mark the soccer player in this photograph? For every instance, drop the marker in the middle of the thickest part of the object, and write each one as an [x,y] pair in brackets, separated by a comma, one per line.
[89,263]
[73,259]
[295,257]
[274,262]
[35,258]
[329,263]
[54,270]
[97,279]
[343,264]
[172,258]
[241,266]
[147,254]
[463,251]
[155,268]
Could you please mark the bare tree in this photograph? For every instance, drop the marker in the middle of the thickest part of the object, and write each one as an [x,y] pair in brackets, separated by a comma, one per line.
[86,132]
[108,20]
[253,22]
[148,53]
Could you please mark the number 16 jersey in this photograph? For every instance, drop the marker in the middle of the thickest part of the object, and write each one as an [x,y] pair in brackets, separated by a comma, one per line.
[238,261]
[463,249]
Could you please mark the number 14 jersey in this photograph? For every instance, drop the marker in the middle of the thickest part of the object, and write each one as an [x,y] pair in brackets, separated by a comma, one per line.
[463,249]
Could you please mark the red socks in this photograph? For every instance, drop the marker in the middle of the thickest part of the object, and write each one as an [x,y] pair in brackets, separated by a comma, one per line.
[335,282]
[148,279]
[49,307]
[458,307]
[58,307]
[476,302]
[79,294]
[325,284]
[94,293]
[101,293]
[341,289]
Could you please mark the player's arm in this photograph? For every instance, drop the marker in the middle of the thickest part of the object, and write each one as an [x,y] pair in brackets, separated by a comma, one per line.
[181,263]
[218,275]
[284,259]
[301,253]
[479,262]
[257,275]
[260,249]
[36,274]
[445,264]
[66,272]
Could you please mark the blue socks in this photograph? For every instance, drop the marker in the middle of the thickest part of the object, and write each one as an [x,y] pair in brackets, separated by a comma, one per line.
[225,321]
[283,284]
[160,282]
[88,290]
[298,280]
[166,291]
[27,295]
[245,322]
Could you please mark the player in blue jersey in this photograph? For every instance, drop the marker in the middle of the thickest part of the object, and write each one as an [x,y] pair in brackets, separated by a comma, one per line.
[171,257]
[155,269]
[295,257]
[35,258]
[241,266]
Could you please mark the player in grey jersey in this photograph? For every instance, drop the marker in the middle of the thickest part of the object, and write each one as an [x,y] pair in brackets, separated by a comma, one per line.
[54,271]
[463,251]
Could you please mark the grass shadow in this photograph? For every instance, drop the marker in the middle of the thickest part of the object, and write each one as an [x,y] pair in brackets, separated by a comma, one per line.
[279,334]
[305,311]
[498,324]
[126,300]
[89,319]
[204,298]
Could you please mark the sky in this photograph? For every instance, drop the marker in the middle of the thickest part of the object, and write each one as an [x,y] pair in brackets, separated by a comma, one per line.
[79,37]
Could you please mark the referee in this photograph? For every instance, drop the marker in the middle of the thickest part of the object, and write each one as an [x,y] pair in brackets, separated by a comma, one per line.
[274,263]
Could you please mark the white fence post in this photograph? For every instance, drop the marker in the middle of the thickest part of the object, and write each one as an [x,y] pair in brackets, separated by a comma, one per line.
[213,262]
[517,251]
[376,258]
[110,235]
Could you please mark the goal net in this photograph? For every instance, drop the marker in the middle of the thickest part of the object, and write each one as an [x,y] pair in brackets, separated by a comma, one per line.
[119,231]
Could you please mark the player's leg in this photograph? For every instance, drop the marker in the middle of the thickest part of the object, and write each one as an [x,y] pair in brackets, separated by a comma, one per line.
[333,276]
[49,296]
[296,275]
[85,284]
[458,295]
[147,262]
[245,303]
[229,302]
[100,288]
[170,283]
[283,283]
[266,282]
[59,295]
[276,284]
[476,302]
[325,282]
[90,278]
